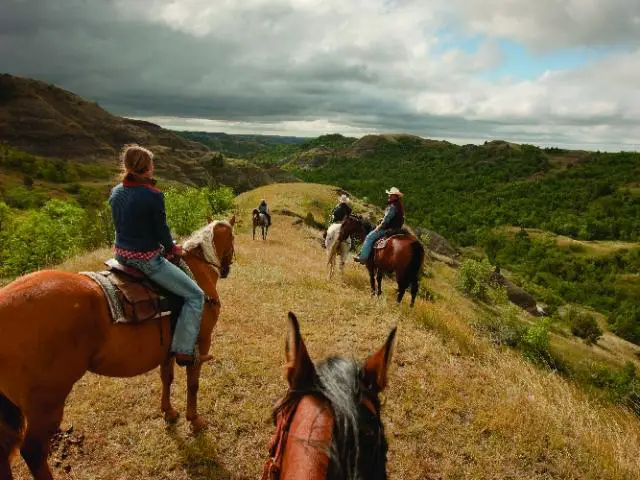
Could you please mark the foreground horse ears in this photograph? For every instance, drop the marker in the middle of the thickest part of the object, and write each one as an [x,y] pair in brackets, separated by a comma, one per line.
[232,220]
[375,370]
[300,371]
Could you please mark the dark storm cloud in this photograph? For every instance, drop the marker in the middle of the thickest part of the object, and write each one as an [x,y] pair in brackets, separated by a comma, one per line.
[370,65]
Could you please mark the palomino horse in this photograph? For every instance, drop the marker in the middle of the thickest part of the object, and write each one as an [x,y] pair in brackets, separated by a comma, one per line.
[56,326]
[328,424]
[260,220]
[339,240]
[402,255]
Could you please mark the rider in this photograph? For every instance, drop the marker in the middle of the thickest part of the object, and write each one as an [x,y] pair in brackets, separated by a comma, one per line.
[393,219]
[264,209]
[143,240]
[342,210]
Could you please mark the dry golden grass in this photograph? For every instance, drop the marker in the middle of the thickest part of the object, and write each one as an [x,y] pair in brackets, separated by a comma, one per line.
[455,407]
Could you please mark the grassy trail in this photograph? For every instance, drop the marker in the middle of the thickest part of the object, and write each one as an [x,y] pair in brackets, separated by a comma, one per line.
[455,407]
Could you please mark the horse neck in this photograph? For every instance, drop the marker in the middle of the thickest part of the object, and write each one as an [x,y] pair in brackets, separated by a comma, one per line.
[204,274]
[309,441]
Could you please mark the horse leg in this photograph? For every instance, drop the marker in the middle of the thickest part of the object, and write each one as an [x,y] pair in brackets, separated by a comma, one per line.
[415,284]
[372,280]
[5,469]
[193,384]
[166,374]
[254,232]
[379,277]
[42,424]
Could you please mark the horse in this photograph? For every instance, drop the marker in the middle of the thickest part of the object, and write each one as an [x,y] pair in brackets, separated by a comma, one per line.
[339,240]
[328,424]
[260,220]
[402,255]
[56,326]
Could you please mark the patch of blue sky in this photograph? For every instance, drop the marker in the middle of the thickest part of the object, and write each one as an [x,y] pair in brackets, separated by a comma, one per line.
[520,63]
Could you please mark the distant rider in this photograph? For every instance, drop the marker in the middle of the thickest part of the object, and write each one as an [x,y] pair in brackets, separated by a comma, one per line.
[342,210]
[264,209]
[393,220]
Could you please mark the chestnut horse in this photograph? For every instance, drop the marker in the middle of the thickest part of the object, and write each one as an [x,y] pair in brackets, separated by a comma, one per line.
[328,424]
[403,255]
[56,326]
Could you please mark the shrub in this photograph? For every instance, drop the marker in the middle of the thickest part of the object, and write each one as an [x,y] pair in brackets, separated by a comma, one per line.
[220,199]
[41,238]
[187,209]
[583,325]
[473,278]
[625,322]
[535,343]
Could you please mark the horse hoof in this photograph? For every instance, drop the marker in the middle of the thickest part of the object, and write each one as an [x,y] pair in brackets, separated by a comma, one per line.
[198,425]
[171,416]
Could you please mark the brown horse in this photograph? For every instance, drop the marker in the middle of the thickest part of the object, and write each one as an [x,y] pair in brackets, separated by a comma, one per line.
[56,326]
[403,255]
[328,424]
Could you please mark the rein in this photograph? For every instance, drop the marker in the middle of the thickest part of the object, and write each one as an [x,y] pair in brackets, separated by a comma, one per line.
[284,419]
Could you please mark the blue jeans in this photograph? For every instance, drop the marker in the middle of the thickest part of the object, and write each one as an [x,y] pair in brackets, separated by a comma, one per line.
[167,275]
[367,245]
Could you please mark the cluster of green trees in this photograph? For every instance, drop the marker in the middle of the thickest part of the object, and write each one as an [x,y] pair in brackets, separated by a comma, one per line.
[466,192]
[35,238]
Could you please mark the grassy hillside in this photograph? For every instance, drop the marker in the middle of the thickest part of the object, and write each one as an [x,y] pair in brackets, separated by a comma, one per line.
[456,406]
[470,193]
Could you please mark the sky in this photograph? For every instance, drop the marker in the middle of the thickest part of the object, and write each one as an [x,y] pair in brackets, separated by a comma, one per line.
[547,72]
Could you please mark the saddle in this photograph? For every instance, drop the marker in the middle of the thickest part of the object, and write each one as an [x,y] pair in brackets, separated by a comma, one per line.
[397,232]
[134,298]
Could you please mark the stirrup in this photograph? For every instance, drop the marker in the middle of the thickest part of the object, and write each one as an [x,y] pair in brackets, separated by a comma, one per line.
[186,360]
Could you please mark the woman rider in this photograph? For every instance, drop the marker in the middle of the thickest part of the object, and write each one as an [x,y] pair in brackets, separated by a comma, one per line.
[143,240]
[393,219]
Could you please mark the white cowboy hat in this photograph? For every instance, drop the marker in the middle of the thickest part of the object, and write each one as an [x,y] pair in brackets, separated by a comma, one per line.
[344,199]
[394,191]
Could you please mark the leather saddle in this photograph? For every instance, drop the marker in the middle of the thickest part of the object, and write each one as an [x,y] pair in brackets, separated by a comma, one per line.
[393,233]
[141,299]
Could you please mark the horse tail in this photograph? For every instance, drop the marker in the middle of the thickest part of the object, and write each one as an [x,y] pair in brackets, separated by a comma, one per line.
[11,427]
[415,264]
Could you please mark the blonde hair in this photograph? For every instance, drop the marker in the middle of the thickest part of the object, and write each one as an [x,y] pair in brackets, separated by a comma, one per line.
[135,160]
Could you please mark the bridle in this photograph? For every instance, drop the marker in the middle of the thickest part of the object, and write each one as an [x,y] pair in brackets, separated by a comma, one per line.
[284,418]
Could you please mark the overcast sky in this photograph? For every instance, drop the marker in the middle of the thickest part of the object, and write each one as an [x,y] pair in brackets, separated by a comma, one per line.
[549,72]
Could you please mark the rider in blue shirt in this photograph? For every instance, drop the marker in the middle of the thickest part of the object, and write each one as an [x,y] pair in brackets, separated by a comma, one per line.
[393,219]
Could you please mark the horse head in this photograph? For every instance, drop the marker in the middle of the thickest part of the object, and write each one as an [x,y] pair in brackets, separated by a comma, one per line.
[328,424]
[223,240]
[214,245]
[353,225]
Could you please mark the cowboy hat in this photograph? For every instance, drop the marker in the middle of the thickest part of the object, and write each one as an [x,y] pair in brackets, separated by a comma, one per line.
[394,191]
[344,199]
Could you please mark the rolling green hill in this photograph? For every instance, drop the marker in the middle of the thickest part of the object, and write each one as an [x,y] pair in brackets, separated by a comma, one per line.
[468,193]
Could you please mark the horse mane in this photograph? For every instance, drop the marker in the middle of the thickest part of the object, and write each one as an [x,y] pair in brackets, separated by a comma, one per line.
[203,238]
[339,383]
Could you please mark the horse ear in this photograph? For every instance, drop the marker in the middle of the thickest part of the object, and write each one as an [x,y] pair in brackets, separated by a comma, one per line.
[300,370]
[232,220]
[375,370]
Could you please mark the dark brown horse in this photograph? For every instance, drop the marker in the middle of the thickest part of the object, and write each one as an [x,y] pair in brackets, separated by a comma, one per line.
[402,255]
[56,326]
[328,424]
